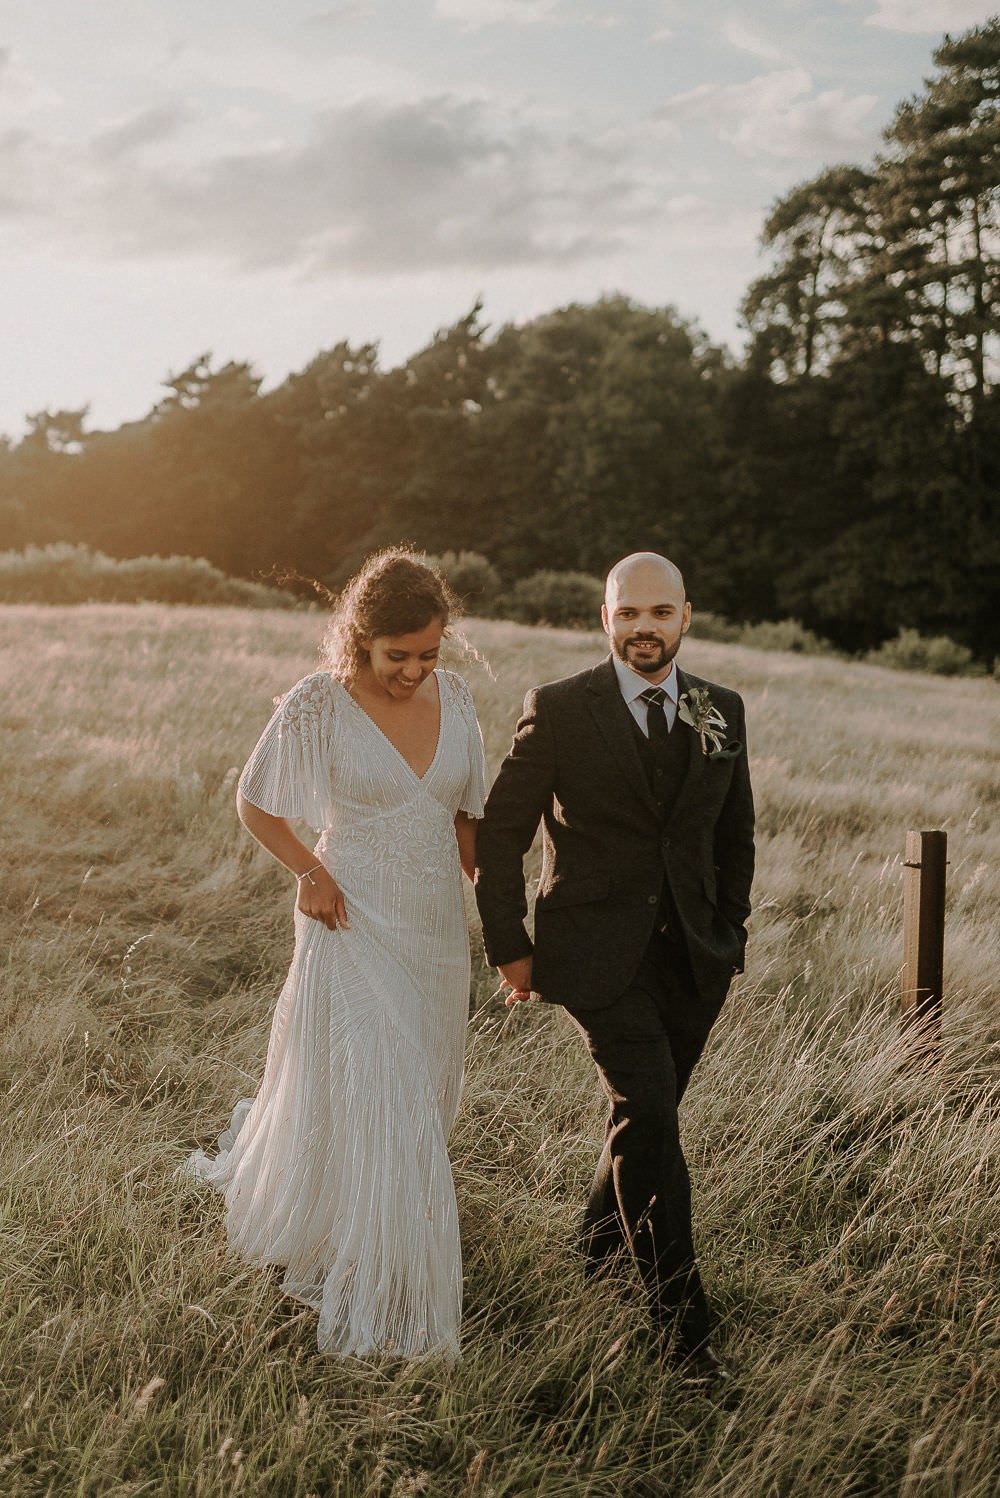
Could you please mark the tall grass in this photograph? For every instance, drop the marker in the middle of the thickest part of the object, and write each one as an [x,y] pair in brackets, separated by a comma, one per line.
[846,1200]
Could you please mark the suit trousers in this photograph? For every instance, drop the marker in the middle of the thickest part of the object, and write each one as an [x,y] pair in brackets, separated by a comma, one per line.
[645,1046]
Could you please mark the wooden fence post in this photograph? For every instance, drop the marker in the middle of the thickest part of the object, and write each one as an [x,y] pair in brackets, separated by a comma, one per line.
[923,934]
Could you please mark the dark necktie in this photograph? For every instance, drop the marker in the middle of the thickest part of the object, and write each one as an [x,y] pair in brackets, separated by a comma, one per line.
[656,718]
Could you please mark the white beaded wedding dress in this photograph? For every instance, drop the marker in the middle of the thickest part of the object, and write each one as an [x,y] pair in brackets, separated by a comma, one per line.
[338,1168]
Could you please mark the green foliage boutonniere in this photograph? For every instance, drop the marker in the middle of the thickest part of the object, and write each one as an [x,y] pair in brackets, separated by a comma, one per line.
[697,709]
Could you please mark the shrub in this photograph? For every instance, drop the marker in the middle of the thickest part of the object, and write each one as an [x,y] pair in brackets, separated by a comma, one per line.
[65,573]
[473,577]
[911,651]
[570,599]
[708,626]
[784,634]
[768,634]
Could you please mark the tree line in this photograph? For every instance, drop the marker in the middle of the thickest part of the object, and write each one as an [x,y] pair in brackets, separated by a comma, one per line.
[845,471]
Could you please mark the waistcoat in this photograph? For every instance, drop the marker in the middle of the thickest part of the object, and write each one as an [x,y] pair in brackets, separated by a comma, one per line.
[665,771]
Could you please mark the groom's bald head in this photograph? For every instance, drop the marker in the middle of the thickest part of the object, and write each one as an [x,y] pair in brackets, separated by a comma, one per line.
[657,570]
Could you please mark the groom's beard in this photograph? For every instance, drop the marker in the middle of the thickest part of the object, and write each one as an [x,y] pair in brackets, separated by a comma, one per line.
[646,665]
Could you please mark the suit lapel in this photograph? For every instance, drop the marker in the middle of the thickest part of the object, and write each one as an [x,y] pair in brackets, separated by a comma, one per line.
[613,718]
[695,760]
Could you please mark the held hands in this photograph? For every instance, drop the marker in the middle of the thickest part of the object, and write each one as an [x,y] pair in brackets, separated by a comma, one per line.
[321,898]
[517,981]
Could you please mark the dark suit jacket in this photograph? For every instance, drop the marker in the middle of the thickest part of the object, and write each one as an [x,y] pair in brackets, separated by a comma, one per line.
[574,765]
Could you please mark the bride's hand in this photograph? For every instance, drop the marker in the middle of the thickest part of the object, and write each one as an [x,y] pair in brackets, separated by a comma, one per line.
[517,981]
[321,898]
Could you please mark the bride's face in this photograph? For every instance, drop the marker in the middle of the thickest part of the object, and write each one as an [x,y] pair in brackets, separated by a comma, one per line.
[397,664]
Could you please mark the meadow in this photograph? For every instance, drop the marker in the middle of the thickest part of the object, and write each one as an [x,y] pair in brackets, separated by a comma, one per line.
[846,1197]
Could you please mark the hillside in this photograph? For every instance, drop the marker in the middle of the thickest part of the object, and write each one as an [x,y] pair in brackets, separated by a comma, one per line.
[845,1209]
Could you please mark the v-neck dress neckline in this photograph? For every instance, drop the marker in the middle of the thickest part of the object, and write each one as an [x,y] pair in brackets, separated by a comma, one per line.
[420,779]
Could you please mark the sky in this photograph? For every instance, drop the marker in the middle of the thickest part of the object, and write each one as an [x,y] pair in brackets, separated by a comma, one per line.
[260,180]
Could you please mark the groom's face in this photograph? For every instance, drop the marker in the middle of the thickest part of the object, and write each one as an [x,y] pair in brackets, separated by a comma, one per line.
[645,617]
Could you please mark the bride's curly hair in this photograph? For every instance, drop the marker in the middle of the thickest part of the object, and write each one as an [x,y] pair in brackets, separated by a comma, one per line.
[397,592]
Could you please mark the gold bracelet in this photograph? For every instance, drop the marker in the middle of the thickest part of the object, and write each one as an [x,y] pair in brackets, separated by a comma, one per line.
[308,875]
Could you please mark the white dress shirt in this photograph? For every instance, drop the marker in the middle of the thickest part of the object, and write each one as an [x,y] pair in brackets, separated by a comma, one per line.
[633,685]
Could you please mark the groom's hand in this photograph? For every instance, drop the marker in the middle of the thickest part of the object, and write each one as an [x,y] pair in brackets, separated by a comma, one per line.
[517,976]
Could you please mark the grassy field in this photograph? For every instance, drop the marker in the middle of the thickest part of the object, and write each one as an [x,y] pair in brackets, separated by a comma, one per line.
[846,1200]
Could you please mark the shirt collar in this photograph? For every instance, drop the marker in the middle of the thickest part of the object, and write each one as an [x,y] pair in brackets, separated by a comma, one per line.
[633,685]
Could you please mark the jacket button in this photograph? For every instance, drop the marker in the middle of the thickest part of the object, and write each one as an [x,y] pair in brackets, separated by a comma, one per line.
[650,899]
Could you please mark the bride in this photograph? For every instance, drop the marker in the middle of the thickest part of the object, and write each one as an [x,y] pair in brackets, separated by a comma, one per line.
[338,1168]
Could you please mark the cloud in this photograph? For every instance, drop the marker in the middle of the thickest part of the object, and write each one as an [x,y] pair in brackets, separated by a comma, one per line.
[741,36]
[775,114]
[920,16]
[666,18]
[149,127]
[300,68]
[20,90]
[693,219]
[332,22]
[16,182]
[374,188]
[475,13]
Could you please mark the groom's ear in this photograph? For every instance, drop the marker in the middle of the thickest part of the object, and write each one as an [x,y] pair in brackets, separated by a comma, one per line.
[604,618]
[686,618]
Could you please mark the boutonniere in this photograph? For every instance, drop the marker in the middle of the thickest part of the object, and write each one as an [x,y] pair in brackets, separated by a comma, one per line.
[697,709]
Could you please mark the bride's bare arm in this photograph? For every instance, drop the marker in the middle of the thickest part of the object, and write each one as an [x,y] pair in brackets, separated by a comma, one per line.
[465,831]
[319,894]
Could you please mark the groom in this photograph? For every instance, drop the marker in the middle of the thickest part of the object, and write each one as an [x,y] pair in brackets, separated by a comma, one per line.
[638,772]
